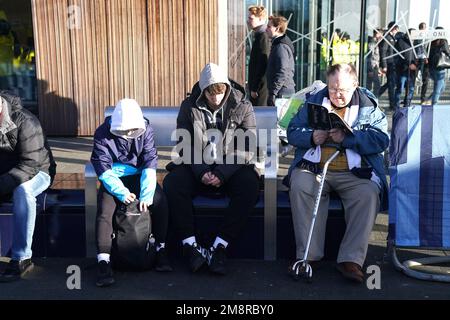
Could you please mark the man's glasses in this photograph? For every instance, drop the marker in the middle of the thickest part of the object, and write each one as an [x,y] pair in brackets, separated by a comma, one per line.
[342,91]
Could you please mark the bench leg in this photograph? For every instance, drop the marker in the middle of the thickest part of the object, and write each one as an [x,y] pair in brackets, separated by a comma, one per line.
[270,219]
[90,198]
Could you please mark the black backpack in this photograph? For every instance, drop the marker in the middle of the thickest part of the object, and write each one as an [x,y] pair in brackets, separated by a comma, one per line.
[133,244]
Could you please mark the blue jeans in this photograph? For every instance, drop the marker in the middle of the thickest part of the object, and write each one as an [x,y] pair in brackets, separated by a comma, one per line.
[405,80]
[438,77]
[24,211]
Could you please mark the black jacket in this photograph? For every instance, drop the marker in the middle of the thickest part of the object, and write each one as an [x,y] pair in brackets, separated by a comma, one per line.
[280,69]
[403,45]
[387,50]
[435,52]
[257,66]
[23,148]
[237,113]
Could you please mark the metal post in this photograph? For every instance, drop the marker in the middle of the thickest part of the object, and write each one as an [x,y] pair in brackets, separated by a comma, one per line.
[312,45]
[362,42]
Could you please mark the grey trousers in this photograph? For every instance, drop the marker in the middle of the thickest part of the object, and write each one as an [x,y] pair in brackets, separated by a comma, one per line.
[361,200]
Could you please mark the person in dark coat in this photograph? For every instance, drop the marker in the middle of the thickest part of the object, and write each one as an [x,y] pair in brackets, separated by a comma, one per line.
[438,47]
[125,160]
[422,62]
[281,64]
[406,69]
[211,120]
[26,170]
[259,55]
[387,62]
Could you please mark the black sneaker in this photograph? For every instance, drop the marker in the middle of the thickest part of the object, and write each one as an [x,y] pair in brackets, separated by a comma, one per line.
[196,256]
[162,261]
[104,274]
[217,259]
[16,269]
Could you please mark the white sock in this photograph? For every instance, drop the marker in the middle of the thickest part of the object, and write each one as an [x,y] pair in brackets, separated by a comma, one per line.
[218,241]
[190,241]
[103,256]
[160,246]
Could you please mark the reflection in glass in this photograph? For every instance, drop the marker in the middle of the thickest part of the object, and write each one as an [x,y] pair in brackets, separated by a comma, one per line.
[17,53]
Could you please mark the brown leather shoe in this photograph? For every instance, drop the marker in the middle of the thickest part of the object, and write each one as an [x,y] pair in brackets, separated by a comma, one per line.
[351,271]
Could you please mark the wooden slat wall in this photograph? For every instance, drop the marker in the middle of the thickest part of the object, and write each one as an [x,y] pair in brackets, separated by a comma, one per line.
[90,64]
[57,110]
[237,30]
[201,30]
[149,50]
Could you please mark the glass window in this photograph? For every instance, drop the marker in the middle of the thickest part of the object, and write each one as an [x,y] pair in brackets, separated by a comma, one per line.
[325,32]
[17,54]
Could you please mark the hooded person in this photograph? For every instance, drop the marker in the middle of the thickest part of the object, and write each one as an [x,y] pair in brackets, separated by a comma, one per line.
[125,160]
[213,117]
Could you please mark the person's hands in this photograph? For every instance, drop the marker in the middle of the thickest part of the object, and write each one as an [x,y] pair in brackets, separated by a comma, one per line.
[412,67]
[211,179]
[384,70]
[215,181]
[319,137]
[130,198]
[254,94]
[337,135]
[206,179]
[143,206]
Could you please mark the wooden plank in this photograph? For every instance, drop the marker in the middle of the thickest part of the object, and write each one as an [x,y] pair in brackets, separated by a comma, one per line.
[150,50]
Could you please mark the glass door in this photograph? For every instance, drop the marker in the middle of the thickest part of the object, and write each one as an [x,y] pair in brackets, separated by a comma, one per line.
[323,32]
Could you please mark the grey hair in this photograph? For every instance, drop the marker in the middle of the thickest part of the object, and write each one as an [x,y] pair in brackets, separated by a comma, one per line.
[345,67]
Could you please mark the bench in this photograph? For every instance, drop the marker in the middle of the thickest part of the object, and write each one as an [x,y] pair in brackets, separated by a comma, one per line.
[163,121]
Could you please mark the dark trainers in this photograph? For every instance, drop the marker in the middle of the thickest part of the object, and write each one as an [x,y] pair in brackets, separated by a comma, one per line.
[217,259]
[104,274]
[162,261]
[16,269]
[196,256]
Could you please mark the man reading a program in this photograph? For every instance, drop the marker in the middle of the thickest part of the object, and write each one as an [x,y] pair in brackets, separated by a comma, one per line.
[356,175]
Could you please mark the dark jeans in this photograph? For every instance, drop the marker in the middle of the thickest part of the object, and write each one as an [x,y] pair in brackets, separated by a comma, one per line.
[390,85]
[425,72]
[107,206]
[373,81]
[405,82]
[181,186]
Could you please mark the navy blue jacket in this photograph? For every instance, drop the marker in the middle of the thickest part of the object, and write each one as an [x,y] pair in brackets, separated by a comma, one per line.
[280,69]
[108,149]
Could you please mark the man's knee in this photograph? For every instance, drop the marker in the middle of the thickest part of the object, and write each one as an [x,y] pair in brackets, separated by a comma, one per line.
[303,182]
[369,191]
[246,181]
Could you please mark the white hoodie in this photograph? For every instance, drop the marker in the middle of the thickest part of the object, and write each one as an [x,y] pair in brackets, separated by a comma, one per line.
[127,115]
